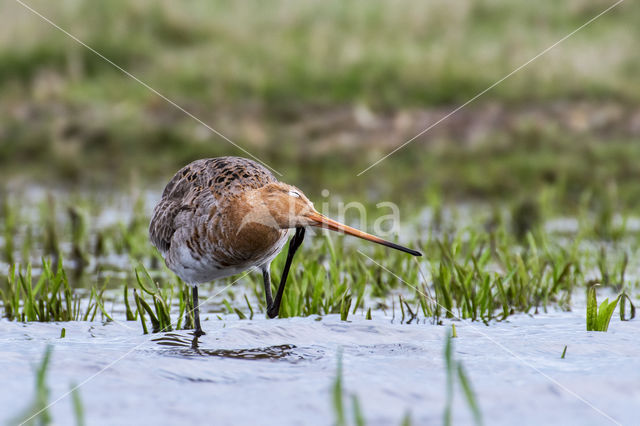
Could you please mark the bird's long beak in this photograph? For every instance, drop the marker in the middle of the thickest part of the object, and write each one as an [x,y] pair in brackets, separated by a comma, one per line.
[322,221]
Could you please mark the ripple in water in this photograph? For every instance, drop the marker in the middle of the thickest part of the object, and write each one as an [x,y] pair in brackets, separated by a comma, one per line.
[184,346]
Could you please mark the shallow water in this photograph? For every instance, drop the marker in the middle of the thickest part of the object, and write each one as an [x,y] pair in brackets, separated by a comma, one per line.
[281,371]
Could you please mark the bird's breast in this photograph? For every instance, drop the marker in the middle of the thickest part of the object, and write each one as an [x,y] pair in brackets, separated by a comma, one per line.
[226,236]
[213,251]
[252,242]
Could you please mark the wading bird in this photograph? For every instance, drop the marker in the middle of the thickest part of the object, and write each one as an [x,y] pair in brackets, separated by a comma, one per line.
[221,216]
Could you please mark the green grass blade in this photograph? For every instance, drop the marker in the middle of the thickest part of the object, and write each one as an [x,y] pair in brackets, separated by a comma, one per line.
[449,364]
[129,313]
[358,418]
[592,309]
[469,394]
[78,407]
[338,402]
[605,313]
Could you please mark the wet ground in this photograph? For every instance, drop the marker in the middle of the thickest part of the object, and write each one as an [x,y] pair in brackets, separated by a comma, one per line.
[282,371]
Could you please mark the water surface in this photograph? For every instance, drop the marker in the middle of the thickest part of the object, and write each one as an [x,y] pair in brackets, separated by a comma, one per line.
[281,371]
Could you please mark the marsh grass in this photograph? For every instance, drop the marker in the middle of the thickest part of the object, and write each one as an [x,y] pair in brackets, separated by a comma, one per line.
[318,287]
[160,315]
[37,413]
[337,394]
[49,298]
[9,229]
[327,52]
[162,299]
[624,299]
[78,406]
[483,278]
[341,404]
[482,271]
[456,372]
[598,317]
[321,64]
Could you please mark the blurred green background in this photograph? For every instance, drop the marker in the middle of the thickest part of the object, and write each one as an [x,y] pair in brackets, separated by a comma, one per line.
[321,89]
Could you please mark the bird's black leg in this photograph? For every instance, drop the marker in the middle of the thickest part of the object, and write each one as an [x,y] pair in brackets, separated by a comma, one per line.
[266,275]
[196,313]
[274,308]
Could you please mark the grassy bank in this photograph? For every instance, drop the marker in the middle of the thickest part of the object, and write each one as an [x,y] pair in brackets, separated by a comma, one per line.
[378,52]
[321,90]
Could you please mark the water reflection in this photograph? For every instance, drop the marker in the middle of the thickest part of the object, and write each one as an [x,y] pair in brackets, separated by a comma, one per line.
[187,346]
[175,339]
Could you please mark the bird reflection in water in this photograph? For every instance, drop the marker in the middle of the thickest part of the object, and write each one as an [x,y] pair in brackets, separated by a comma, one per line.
[182,346]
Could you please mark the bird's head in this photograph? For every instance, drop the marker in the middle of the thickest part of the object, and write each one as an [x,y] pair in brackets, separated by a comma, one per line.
[285,206]
[279,205]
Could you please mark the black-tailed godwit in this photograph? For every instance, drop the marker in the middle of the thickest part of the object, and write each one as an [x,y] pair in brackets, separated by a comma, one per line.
[221,216]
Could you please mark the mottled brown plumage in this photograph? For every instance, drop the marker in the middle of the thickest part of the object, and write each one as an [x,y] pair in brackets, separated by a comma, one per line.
[197,226]
[202,184]
[220,216]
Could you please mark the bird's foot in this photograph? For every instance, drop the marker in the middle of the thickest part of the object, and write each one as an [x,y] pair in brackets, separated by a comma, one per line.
[272,312]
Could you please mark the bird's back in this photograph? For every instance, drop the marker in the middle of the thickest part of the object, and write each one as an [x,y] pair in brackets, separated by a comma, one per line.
[193,196]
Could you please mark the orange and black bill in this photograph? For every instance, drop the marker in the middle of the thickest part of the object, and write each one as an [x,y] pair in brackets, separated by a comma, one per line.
[322,221]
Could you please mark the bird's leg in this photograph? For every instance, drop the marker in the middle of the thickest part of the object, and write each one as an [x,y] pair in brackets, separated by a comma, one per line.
[196,313]
[194,344]
[274,308]
[266,275]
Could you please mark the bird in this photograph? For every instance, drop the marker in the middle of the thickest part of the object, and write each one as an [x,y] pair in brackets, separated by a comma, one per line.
[221,216]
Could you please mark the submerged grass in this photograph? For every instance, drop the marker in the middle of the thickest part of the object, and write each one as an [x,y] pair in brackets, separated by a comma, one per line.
[339,402]
[78,407]
[455,373]
[37,413]
[455,370]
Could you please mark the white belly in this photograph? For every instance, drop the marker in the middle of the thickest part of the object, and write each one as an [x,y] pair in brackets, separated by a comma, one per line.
[197,270]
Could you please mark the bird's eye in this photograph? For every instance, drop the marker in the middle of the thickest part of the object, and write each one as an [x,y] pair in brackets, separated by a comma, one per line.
[294,194]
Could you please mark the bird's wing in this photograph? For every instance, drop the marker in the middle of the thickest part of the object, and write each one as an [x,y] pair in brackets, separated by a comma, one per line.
[212,178]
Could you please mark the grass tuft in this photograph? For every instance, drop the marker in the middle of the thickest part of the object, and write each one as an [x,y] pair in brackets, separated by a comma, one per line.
[49,298]
[598,318]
